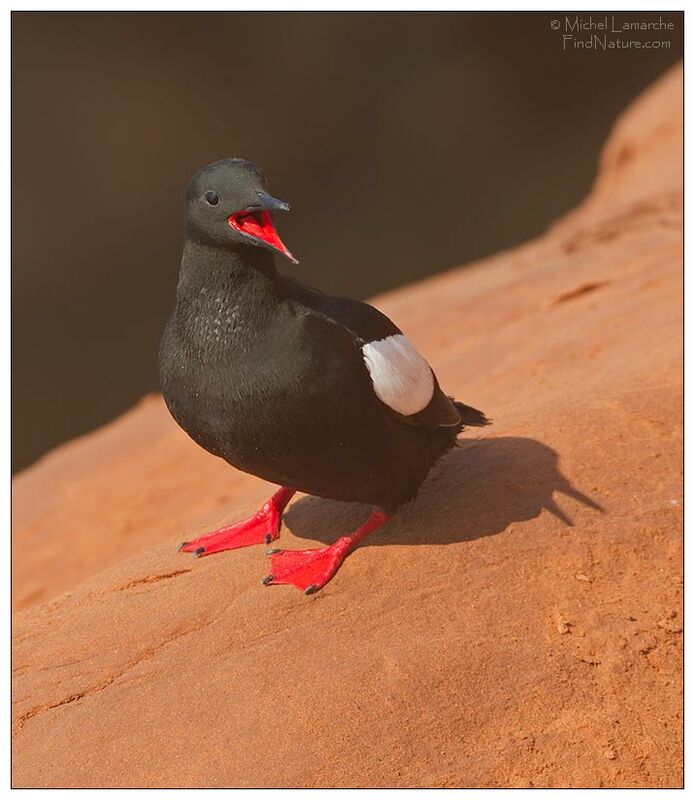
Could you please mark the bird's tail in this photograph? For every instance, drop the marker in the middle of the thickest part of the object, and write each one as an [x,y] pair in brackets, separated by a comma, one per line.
[471,416]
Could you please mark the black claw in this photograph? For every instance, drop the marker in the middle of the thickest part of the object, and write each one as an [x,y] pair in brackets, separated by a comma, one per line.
[181,546]
[268,538]
[310,589]
[273,550]
[198,551]
[265,581]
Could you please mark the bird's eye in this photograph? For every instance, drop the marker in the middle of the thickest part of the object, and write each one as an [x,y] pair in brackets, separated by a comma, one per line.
[211,198]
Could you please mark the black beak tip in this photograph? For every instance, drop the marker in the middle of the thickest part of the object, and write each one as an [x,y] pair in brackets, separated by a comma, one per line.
[272,203]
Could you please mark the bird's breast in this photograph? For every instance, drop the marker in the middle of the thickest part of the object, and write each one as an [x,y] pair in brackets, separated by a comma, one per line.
[220,375]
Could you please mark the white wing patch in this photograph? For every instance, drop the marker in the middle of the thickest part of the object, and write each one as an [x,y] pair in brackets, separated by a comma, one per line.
[401,377]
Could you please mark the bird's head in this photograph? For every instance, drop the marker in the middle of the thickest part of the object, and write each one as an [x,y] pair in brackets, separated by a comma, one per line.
[227,203]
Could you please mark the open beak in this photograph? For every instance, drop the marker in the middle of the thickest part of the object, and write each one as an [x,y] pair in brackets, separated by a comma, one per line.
[257,222]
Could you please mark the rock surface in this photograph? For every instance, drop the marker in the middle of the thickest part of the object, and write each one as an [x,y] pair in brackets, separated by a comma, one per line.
[504,631]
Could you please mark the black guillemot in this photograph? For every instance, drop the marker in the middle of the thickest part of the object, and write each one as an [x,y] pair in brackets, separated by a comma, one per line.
[318,394]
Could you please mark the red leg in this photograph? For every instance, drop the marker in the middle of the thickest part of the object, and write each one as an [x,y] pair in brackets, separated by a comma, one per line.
[310,570]
[263,526]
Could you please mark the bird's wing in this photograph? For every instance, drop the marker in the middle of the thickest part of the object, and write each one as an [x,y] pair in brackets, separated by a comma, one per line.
[400,376]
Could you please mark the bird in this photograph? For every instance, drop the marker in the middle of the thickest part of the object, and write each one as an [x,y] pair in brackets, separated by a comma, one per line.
[314,393]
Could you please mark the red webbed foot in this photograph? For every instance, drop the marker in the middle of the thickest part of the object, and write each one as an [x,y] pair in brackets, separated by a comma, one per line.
[310,570]
[262,527]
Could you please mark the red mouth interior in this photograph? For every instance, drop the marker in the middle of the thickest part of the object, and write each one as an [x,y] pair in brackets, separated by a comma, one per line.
[259,224]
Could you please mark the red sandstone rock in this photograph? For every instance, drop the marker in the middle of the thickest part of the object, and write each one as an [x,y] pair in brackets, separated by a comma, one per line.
[479,640]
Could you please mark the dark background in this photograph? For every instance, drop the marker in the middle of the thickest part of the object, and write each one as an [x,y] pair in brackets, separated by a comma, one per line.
[407,143]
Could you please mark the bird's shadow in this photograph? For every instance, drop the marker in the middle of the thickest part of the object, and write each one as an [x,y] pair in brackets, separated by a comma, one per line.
[478,489]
